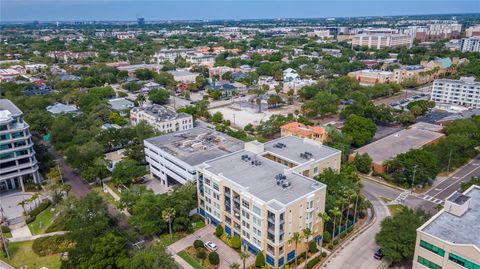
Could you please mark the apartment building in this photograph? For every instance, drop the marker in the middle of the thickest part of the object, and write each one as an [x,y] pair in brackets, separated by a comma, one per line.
[301,130]
[66,56]
[17,157]
[463,92]
[183,76]
[471,44]
[161,118]
[170,55]
[451,238]
[371,76]
[265,193]
[380,41]
[438,30]
[173,157]
[473,31]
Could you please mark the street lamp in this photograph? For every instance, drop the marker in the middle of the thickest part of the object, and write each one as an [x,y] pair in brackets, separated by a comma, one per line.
[413,178]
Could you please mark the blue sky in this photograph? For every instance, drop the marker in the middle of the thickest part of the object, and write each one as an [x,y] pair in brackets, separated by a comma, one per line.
[53,10]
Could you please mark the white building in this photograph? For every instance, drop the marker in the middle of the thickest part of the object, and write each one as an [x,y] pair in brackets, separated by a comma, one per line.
[8,74]
[463,92]
[472,31]
[173,158]
[183,76]
[17,156]
[161,118]
[169,55]
[471,44]
[380,41]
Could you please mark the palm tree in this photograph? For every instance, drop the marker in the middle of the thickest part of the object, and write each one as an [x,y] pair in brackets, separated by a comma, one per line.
[325,218]
[234,266]
[306,234]
[167,215]
[350,196]
[22,204]
[355,208]
[342,202]
[244,256]
[335,212]
[296,237]
[35,197]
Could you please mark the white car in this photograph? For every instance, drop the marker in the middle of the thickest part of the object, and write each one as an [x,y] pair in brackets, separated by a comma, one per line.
[211,246]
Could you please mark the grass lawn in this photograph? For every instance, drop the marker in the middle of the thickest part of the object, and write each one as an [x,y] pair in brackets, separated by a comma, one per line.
[22,254]
[190,260]
[165,240]
[199,225]
[106,196]
[395,209]
[8,235]
[42,221]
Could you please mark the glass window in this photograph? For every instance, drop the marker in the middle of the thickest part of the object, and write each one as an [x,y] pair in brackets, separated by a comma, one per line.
[432,248]
[257,210]
[462,262]
[428,263]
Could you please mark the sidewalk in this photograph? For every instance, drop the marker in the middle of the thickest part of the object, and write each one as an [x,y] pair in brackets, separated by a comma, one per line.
[20,232]
[30,238]
[116,198]
[381,181]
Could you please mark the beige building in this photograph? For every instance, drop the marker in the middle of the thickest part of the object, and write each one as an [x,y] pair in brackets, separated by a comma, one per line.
[161,118]
[301,130]
[451,238]
[380,41]
[371,76]
[265,193]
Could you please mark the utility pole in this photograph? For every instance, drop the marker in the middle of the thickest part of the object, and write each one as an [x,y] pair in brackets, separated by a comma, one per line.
[449,159]
[413,178]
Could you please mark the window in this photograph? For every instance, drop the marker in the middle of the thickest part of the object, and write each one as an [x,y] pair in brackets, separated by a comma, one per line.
[215,186]
[432,248]
[462,262]
[245,203]
[257,210]
[428,263]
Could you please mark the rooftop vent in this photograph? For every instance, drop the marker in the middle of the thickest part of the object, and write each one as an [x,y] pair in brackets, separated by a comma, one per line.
[279,145]
[256,162]
[246,158]
[286,184]
[306,155]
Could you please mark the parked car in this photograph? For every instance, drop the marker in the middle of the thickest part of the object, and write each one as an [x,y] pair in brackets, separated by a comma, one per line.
[211,246]
[378,254]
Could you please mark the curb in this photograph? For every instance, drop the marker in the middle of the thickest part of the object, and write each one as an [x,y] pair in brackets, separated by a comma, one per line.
[382,183]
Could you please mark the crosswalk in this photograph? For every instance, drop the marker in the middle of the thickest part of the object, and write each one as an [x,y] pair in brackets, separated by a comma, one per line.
[431,199]
[401,197]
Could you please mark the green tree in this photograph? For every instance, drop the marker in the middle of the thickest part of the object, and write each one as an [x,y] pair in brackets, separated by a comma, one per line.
[468,184]
[398,234]
[260,260]
[306,234]
[296,237]
[108,251]
[360,129]
[153,257]
[321,105]
[126,171]
[217,117]
[219,230]
[417,166]
[144,74]
[159,96]
[244,256]
[235,242]
[168,215]
[213,258]
[363,163]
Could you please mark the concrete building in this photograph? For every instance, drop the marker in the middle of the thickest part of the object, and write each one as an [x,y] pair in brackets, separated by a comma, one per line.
[17,157]
[121,105]
[170,55]
[183,76]
[173,158]
[387,148]
[316,133]
[8,74]
[438,30]
[380,41]
[451,238]
[263,194]
[471,44]
[161,118]
[59,108]
[463,92]
[473,31]
[371,76]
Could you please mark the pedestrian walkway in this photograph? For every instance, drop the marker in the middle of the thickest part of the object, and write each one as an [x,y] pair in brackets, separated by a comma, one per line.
[401,198]
[30,238]
[431,199]
[21,231]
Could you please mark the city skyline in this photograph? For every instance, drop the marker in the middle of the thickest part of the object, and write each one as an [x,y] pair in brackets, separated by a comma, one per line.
[118,10]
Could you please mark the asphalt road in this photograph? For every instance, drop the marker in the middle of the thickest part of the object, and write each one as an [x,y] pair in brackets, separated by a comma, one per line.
[358,253]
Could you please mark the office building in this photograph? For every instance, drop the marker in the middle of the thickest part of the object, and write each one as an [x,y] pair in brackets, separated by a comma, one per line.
[471,44]
[17,157]
[387,148]
[462,92]
[265,193]
[161,118]
[380,41]
[301,130]
[451,238]
[371,76]
[173,157]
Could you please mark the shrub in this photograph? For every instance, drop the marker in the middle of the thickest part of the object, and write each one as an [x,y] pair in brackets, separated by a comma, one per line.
[335,242]
[235,242]
[327,237]
[44,246]
[349,229]
[58,224]
[213,258]
[330,247]
[343,234]
[324,254]
[42,206]
[219,230]
[198,243]
[260,260]
[30,219]
[311,263]
[312,247]
[201,254]
[5,229]
[362,214]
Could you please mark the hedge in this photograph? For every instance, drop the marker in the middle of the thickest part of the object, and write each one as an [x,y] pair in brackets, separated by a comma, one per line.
[44,246]
[42,206]
[313,262]
[30,219]
[218,230]
[260,260]
[198,243]
[236,243]
[312,247]
[5,229]
[213,258]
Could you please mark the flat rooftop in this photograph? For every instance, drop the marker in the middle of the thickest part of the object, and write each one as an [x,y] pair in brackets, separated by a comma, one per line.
[415,137]
[161,113]
[197,145]
[293,147]
[260,180]
[464,229]
[6,104]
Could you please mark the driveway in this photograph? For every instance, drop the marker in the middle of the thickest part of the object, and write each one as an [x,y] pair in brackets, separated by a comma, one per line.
[358,253]
[9,203]
[226,253]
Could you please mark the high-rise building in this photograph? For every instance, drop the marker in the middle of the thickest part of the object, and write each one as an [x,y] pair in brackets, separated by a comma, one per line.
[265,193]
[17,157]
[451,238]
[141,22]
[463,92]
[471,44]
